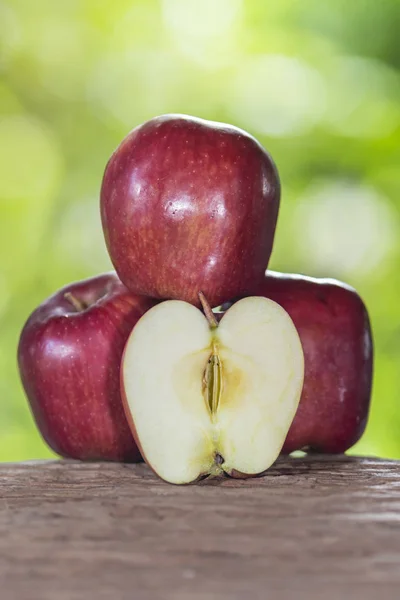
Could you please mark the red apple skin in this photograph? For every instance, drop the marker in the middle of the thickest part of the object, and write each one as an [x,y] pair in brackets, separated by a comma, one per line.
[189,205]
[69,361]
[335,333]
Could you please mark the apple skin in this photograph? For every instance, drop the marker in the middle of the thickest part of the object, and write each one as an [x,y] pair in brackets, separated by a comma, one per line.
[189,205]
[335,333]
[69,362]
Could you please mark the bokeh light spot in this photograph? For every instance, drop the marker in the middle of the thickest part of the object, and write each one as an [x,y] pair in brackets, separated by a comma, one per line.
[362,98]
[277,95]
[29,160]
[205,32]
[10,33]
[208,18]
[344,230]
[137,85]
[79,237]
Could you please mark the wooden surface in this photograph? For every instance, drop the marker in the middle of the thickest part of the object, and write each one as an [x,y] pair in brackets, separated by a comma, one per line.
[326,528]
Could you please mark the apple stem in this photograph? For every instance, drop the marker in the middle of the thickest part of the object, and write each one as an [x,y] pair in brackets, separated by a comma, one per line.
[77,304]
[212,321]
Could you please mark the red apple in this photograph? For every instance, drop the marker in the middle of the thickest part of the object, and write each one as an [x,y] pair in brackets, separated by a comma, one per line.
[69,359]
[335,332]
[190,205]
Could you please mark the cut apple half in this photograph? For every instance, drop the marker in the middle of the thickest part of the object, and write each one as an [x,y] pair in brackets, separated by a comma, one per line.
[204,398]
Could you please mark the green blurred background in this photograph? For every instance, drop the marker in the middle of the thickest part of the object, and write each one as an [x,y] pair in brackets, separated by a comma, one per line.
[317,82]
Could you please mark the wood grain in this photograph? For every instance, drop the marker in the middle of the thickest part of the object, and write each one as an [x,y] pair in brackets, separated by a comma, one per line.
[314,527]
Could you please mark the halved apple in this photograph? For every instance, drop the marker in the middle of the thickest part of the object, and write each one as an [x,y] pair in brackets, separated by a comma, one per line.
[204,398]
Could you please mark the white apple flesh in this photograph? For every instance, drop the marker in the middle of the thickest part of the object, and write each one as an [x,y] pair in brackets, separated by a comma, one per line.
[202,398]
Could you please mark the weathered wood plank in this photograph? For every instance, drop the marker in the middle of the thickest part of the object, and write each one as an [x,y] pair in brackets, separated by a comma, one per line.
[315,527]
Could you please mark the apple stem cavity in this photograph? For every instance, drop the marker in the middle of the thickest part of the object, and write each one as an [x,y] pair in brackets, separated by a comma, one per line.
[212,321]
[76,303]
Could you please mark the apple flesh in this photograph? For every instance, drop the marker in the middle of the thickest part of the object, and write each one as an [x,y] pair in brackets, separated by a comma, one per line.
[204,399]
[335,332]
[189,205]
[69,358]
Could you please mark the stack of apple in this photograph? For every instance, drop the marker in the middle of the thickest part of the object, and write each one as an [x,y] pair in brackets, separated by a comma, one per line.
[139,363]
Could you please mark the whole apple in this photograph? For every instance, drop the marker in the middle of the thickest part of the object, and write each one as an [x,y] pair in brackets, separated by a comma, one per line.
[335,333]
[189,205]
[69,357]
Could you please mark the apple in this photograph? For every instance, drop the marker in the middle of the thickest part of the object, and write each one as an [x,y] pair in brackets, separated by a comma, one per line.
[189,205]
[69,357]
[335,333]
[204,398]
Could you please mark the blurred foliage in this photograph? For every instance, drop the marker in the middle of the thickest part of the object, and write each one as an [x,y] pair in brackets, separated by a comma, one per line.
[317,82]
